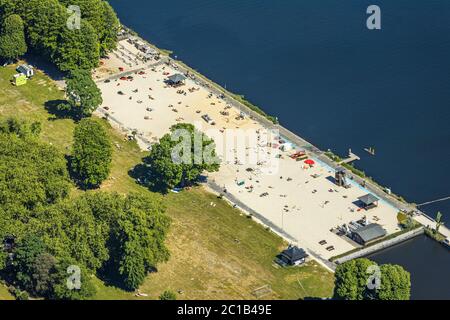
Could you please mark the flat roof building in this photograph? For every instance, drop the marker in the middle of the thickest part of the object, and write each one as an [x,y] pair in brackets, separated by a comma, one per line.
[369,201]
[176,79]
[292,256]
[369,233]
[26,69]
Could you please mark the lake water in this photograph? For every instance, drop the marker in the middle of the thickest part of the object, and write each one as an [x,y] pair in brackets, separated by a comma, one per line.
[427,261]
[316,66]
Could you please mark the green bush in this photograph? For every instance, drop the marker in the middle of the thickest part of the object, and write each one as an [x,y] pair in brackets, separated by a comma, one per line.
[168,295]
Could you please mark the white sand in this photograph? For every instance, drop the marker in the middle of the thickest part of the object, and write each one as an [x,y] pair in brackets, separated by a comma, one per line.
[290,205]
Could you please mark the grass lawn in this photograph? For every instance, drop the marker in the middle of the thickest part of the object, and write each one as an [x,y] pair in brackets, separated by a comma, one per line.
[4,293]
[216,252]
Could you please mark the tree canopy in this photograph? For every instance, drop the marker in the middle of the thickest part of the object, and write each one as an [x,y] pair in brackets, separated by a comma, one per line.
[101,16]
[83,95]
[92,153]
[77,49]
[44,22]
[47,33]
[12,37]
[32,174]
[352,279]
[395,283]
[26,256]
[168,295]
[139,238]
[48,231]
[180,158]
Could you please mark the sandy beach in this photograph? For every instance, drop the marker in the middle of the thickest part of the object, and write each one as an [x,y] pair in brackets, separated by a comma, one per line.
[301,199]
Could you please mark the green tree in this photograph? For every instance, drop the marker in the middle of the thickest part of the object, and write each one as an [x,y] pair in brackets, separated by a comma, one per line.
[4,257]
[83,95]
[102,17]
[25,256]
[77,49]
[139,234]
[44,22]
[439,221]
[8,7]
[351,280]
[32,175]
[92,153]
[194,151]
[168,295]
[123,236]
[21,295]
[352,277]
[20,128]
[47,33]
[110,28]
[132,266]
[395,283]
[70,231]
[44,269]
[61,290]
[12,38]
[101,233]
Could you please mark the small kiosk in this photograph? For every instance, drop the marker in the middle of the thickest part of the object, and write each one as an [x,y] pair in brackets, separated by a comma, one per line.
[19,79]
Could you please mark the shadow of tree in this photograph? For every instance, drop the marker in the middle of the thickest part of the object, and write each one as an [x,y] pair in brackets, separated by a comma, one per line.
[40,61]
[59,109]
[73,176]
[110,276]
[76,179]
[143,176]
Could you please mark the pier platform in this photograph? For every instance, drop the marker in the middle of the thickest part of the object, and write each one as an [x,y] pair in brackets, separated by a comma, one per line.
[351,157]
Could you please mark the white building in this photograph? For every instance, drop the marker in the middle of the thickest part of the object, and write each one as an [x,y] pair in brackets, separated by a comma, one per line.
[26,70]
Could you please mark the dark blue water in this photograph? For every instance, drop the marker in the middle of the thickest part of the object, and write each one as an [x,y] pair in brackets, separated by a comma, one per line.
[316,66]
[427,261]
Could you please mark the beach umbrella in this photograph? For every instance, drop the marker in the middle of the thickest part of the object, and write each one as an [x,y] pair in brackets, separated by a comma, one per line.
[310,162]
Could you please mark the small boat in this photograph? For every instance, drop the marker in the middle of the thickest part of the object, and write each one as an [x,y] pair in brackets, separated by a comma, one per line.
[370,150]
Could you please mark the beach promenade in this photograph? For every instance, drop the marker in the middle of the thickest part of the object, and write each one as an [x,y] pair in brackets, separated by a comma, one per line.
[374,188]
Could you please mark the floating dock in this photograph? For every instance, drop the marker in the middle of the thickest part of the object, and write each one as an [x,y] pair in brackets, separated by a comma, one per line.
[351,157]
